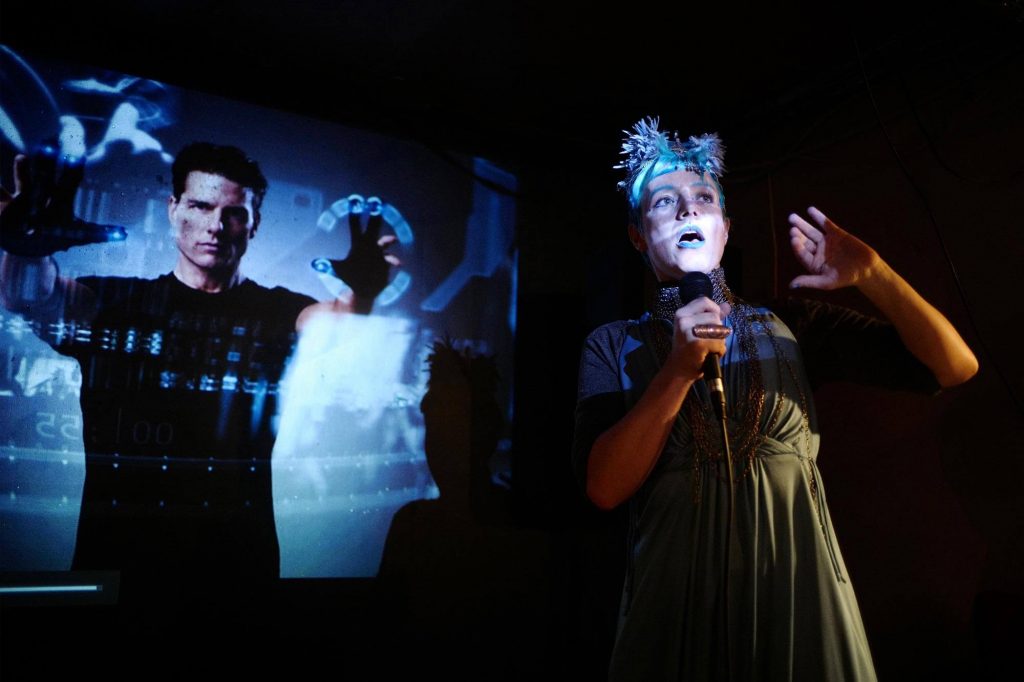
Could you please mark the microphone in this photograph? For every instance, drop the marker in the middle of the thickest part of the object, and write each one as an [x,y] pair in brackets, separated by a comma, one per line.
[694,285]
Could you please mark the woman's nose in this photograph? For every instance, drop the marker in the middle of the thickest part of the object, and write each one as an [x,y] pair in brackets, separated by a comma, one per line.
[687,208]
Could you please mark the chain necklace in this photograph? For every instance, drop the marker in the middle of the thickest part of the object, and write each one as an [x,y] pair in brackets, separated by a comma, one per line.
[697,411]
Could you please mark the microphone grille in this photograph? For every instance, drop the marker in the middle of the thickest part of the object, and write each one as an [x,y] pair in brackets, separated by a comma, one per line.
[694,285]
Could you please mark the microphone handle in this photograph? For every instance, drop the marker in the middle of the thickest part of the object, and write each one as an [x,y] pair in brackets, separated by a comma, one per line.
[713,379]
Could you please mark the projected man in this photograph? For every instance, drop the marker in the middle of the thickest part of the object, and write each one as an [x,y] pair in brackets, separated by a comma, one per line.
[180,374]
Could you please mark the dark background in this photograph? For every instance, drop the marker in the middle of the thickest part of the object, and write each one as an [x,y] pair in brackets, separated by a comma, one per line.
[902,122]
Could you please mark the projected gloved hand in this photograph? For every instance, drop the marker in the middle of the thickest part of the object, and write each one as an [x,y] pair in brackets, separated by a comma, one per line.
[38,219]
[368,265]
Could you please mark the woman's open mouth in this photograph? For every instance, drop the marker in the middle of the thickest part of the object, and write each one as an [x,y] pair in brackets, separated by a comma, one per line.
[690,238]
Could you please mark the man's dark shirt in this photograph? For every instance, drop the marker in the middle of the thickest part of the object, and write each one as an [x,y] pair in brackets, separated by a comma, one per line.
[179,399]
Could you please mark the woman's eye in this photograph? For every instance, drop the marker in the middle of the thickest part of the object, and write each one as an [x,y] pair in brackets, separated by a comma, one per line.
[706,197]
[662,201]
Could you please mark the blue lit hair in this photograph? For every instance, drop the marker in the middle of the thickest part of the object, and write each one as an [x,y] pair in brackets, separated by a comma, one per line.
[650,153]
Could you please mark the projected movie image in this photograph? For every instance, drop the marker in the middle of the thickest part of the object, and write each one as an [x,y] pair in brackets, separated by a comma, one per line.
[270,426]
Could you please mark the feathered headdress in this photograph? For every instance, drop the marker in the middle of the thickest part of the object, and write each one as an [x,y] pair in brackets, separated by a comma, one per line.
[650,152]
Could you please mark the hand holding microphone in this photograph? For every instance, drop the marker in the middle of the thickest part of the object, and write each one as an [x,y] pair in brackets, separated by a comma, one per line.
[689,349]
[698,325]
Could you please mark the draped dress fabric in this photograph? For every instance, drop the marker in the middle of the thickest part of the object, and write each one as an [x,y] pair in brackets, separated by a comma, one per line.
[792,610]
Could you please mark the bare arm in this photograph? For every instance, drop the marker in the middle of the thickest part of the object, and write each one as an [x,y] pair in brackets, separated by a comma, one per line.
[622,457]
[343,305]
[834,258]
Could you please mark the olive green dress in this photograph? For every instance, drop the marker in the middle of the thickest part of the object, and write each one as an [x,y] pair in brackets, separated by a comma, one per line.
[792,613]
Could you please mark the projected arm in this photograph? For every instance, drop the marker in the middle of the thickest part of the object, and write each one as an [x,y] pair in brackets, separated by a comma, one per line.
[835,258]
[367,267]
[36,221]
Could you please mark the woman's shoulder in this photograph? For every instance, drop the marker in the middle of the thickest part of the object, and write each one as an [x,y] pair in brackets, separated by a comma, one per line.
[611,329]
[810,318]
[614,334]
